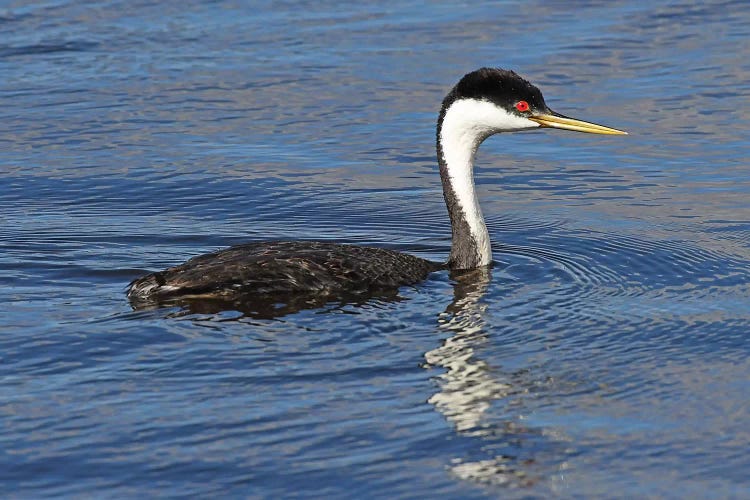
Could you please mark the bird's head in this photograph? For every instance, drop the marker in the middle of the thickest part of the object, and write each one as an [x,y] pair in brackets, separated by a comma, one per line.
[492,100]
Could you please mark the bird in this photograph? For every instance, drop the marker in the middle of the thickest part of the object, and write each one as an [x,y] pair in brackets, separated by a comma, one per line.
[484,102]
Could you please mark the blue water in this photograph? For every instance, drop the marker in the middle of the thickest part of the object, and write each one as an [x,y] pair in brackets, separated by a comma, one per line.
[606,353]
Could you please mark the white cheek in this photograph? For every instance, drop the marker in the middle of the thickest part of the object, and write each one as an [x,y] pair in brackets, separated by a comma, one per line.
[468,122]
[471,116]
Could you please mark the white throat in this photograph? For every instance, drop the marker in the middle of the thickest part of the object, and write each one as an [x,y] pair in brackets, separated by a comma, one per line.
[466,123]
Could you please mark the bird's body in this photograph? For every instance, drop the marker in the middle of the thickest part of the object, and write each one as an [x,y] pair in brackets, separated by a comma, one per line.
[282,267]
[483,103]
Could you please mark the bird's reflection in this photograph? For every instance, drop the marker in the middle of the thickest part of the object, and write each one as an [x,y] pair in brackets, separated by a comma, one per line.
[469,386]
[265,306]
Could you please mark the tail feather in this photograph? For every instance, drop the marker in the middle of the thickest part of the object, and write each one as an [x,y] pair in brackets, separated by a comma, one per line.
[148,286]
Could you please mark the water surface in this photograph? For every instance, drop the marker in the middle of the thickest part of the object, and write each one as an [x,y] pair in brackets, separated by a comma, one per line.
[604,354]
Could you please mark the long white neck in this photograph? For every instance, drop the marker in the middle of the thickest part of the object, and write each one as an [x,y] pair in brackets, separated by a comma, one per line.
[457,144]
[462,127]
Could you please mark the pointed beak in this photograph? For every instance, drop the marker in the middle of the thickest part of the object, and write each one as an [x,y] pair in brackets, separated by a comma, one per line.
[556,120]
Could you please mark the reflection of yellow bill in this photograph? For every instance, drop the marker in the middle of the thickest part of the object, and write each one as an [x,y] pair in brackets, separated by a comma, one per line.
[560,121]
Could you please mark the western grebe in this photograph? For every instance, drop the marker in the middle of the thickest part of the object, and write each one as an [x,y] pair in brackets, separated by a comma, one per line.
[484,102]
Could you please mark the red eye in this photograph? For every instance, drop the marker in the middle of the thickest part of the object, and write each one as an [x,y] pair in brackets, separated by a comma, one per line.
[522,106]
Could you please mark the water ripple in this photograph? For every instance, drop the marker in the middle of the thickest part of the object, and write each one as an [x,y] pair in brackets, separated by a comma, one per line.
[46,48]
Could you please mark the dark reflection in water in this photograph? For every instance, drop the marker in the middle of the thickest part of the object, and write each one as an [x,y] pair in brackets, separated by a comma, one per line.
[264,306]
[45,49]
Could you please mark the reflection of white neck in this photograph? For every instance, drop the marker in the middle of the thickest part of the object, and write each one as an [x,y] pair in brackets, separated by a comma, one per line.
[465,124]
[468,386]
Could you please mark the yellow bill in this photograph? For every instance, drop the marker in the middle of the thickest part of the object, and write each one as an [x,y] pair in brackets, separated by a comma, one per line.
[556,120]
